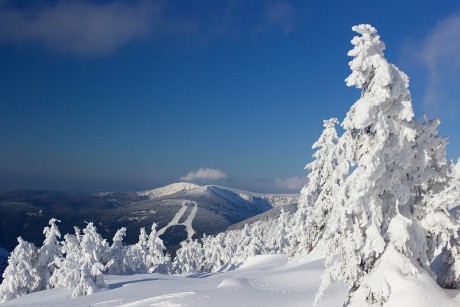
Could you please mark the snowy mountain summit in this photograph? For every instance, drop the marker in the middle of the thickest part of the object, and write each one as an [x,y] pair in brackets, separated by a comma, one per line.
[170,189]
[274,200]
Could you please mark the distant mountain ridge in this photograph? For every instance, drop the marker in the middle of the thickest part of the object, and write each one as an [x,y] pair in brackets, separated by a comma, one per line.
[274,200]
[181,210]
[170,189]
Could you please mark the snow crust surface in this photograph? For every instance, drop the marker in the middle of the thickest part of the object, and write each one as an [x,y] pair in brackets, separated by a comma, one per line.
[266,280]
[261,281]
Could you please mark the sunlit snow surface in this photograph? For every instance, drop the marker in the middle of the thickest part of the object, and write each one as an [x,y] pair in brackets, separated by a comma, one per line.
[261,281]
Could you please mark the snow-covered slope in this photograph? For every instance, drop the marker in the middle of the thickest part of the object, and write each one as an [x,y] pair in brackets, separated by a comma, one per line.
[261,281]
[266,280]
[275,200]
[268,216]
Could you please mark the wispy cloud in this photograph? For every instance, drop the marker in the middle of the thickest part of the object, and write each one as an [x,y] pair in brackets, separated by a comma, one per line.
[84,28]
[79,27]
[280,14]
[208,174]
[439,52]
[291,183]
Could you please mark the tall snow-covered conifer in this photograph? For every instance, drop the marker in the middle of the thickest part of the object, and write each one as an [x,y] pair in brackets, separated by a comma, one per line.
[323,165]
[116,264]
[93,250]
[48,253]
[67,272]
[328,171]
[321,169]
[136,254]
[443,223]
[280,242]
[156,249]
[376,208]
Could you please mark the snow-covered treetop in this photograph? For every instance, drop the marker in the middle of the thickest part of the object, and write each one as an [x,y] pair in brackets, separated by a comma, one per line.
[385,87]
[367,53]
[52,232]
[329,134]
[330,123]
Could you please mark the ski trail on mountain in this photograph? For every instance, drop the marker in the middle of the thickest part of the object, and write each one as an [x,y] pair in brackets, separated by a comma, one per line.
[178,216]
[175,219]
[188,222]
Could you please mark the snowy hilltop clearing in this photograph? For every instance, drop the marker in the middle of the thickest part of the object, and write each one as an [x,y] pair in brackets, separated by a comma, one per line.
[377,224]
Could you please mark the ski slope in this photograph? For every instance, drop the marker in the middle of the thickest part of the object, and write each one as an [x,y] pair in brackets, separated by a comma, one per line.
[179,215]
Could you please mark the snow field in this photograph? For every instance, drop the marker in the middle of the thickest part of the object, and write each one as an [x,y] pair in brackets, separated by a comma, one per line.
[266,280]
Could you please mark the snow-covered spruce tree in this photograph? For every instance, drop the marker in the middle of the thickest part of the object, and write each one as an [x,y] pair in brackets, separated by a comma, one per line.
[215,252]
[280,241]
[155,258]
[376,209]
[321,169]
[48,254]
[442,221]
[242,244]
[189,258]
[257,244]
[249,243]
[434,212]
[450,274]
[323,165]
[67,272]
[116,254]
[20,276]
[136,254]
[93,250]
[230,248]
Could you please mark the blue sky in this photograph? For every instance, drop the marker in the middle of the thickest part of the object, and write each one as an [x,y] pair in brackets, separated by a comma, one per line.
[132,95]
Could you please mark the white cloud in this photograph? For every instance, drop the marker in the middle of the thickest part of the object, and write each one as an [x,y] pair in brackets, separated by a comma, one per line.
[205,174]
[79,27]
[291,183]
[439,52]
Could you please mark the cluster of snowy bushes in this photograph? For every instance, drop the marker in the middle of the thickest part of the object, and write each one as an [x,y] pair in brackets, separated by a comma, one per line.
[383,192]
[79,261]
[228,250]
